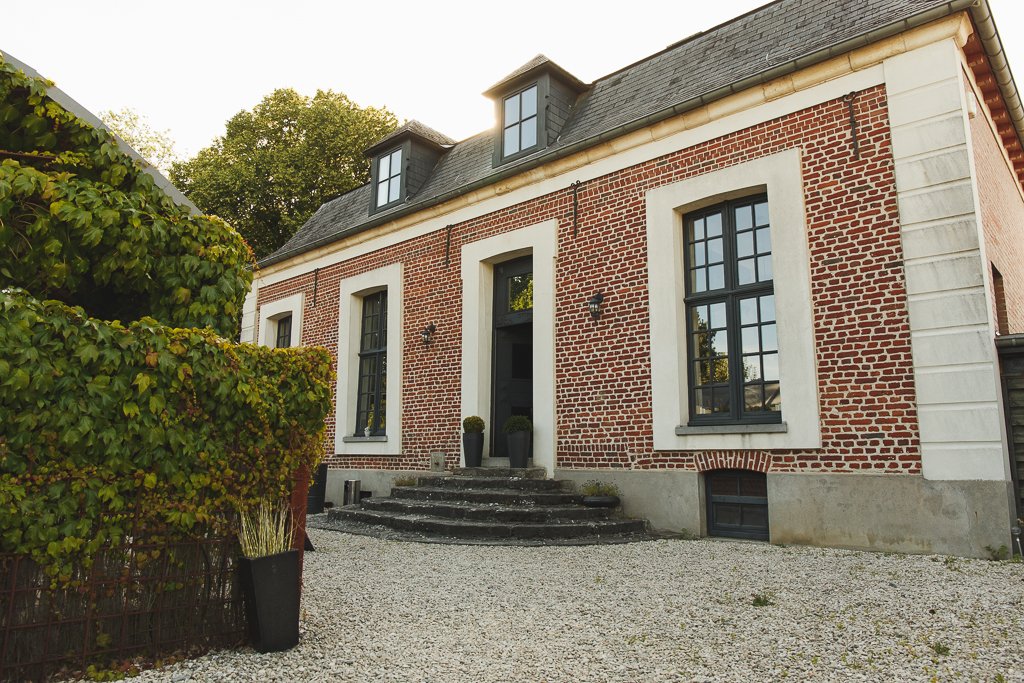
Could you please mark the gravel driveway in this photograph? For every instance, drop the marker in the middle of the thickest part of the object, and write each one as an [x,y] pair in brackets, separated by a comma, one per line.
[655,611]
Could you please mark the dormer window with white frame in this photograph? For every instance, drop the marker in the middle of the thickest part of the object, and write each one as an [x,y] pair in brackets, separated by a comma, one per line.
[389,178]
[520,122]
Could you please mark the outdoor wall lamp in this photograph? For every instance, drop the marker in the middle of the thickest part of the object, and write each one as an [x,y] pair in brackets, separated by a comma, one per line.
[427,332]
[594,305]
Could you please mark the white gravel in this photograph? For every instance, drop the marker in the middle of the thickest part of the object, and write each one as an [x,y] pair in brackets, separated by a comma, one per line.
[655,611]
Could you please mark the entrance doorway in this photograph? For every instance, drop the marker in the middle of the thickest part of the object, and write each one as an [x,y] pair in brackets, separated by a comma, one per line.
[512,348]
[737,504]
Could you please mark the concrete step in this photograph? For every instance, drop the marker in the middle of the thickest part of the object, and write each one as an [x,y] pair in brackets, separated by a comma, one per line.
[506,472]
[477,512]
[425,524]
[498,496]
[516,483]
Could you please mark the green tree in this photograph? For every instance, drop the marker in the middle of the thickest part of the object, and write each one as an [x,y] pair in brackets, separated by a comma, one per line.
[275,165]
[155,146]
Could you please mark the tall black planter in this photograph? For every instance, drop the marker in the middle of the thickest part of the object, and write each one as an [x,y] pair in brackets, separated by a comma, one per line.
[270,586]
[317,492]
[518,449]
[473,447]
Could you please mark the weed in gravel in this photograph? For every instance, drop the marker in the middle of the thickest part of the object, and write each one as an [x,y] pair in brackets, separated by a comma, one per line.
[997,554]
[940,649]
[762,599]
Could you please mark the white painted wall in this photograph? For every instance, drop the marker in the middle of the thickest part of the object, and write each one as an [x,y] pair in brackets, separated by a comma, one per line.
[956,368]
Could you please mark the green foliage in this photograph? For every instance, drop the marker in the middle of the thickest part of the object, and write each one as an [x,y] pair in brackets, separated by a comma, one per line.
[107,430]
[599,488]
[275,165]
[81,222]
[472,424]
[518,423]
[405,480]
[997,554]
[764,599]
[155,146]
[940,649]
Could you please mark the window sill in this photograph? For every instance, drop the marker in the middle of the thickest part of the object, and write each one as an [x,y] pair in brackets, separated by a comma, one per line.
[364,439]
[772,428]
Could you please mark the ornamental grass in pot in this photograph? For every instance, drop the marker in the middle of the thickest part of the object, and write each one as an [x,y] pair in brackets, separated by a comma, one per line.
[518,430]
[269,573]
[473,440]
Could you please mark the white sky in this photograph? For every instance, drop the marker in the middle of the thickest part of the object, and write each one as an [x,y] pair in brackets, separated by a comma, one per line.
[189,65]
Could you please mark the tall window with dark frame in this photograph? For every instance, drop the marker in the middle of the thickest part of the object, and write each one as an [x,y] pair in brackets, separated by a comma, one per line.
[389,178]
[730,306]
[520,122]
[371,400]
[284,332]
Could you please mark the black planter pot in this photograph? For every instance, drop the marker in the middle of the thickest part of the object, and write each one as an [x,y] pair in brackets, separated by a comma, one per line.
[601,501]
[473,447]
[317,492]
[270,586]
[518,449]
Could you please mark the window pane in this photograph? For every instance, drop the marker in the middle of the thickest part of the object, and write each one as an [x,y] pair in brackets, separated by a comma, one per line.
[768,339]
[743,218]
[745,271]
[761,213]
[767,308]
[529,102]
[396,186]
[715,253]
[745,244]
[701,345]
[520,292]
[722,403]
[698,280]
[511,110]
[772,397]
[511,140]
[284,332]
[396,163]
[529,133]
[751,342]
[770,362]
[697,254]
[698,229]
[702,401]
[718,316]
[701,373]
[764,241]
[720,342]
[382,193]
[716,277]
[384,167]
[751,368]
[700,317]
[764,268]
[714,223]
[752,400]
[748,311]
[720,371]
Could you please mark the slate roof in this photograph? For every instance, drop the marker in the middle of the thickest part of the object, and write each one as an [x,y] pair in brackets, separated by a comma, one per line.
[777,38]
[418,129]
[535,64]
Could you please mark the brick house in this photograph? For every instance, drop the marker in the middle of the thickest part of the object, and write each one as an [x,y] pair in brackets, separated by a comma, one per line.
[754,279]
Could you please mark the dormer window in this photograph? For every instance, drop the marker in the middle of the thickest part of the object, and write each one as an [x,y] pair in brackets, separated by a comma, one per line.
[389,178]
[520,127]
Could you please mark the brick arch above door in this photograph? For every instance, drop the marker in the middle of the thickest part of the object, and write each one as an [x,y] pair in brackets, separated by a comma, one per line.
[731,460]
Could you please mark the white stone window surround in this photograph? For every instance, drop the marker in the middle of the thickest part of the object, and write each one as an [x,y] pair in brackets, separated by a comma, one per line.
[780,176]
[478,259]
[271,313]
[350,308]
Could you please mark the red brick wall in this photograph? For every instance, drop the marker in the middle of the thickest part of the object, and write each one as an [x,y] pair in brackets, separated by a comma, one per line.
[1002,217]
[603,369]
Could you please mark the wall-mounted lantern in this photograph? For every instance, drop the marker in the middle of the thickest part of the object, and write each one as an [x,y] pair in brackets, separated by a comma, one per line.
[427,333]
[594,305]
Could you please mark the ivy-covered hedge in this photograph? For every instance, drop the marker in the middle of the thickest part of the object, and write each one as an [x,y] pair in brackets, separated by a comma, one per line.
[82,222]
[155,427]
[108,430]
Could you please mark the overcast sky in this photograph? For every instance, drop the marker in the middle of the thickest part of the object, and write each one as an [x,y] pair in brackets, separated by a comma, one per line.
[190,65]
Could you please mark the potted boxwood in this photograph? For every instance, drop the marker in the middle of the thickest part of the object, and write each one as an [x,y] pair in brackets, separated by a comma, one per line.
[269,576]
[473,440]
[518,430]
[600,494]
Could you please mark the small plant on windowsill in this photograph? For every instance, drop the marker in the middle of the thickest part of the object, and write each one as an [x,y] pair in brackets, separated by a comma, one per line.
[601,494]
[518,430]
[473,440]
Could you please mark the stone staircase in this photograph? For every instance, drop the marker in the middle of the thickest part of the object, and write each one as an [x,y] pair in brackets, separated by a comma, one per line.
[484,505]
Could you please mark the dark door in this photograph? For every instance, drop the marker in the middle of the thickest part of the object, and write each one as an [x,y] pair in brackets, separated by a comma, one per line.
[737,504]
[513,348]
